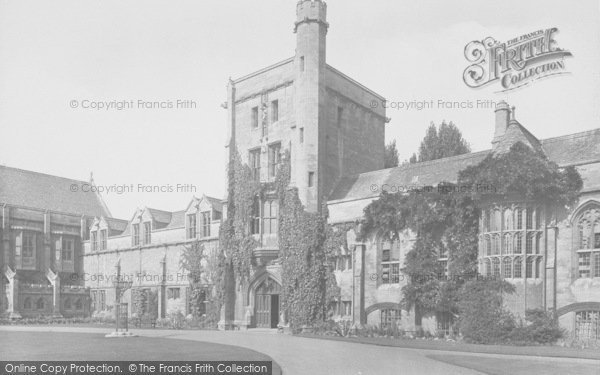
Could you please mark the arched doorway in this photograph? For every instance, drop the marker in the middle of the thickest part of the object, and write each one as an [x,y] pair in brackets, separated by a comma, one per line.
[267,304]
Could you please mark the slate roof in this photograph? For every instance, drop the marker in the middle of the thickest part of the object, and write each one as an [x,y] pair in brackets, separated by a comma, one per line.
[35,190]
[573,149]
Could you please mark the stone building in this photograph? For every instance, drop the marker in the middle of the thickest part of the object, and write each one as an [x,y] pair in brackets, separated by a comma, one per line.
[323,118]
[44,221]
[146,250]
[550,254]
[336,141]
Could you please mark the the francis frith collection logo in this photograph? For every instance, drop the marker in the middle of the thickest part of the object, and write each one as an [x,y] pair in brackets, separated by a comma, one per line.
[515,63]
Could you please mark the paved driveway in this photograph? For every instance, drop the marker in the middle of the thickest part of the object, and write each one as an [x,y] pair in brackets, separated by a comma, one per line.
[299,355]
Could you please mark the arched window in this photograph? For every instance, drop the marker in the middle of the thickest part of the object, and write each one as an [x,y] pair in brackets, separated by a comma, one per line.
[507,244]
[496,220]
[40,304]
[67,304]
[587,233]
[507,267]
[529,268]
[488,245]
[488,268]
[529,218]
[78,304]
[27,304]
[519,218]
[517,274]
[496,245]
[518,242]
[508,219]
[496,268]
[486,220]
[529,244]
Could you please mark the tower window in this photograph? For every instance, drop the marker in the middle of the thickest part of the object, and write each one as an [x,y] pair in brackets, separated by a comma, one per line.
[311,179]
[255,117]
[274,159]
[301,135]
[274,111]
[301,63]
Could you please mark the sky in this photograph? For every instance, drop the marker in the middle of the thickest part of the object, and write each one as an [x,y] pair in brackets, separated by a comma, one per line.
[58,57]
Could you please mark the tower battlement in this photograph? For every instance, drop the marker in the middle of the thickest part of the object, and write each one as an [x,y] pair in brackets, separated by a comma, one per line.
[309,11]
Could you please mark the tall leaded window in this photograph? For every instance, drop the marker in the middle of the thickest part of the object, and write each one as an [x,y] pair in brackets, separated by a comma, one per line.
[507,244]
[191,226]
[147,232]
[517,274]
[274,111]
[270,216]
[508,219]
[487,267]
[584,264]
[529,218]
[488,245]
[28,245]
[529,244]
[390,263]
[587,233]
[94,240]
[529,268]
[518,243]
[519,213]
[206,224]
[68,249]
[135,238]
[274,159]
[486,221]
[507,267]
[103,239]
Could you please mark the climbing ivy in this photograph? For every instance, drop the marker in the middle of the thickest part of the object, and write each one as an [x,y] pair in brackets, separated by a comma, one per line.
[307,244]
[445,219]
[309,286]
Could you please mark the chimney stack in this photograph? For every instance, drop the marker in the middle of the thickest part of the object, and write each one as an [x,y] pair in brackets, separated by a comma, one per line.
[502,119]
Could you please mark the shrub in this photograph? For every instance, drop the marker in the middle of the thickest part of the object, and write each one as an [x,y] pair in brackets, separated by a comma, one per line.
[541,328]
[483,318]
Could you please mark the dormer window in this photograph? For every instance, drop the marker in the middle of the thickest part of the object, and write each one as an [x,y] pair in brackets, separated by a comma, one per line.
[103,239]
[206,224]
[191,229]
[135,239]
[147,232]
[94,240]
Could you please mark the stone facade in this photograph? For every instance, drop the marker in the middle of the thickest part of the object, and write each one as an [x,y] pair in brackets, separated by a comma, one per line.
[147,251]
[43,226]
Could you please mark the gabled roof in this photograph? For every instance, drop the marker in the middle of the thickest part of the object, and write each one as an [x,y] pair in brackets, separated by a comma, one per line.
[160,216]
[517,133]
[573,149]
[216,204]
[35,190]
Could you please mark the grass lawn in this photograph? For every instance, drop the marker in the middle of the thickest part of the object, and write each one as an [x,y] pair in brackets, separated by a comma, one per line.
[23,346]
[500,366]
[545,351]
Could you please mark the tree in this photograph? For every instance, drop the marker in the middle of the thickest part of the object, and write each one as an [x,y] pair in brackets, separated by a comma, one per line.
[442,142]
[391,155]
[192,261]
